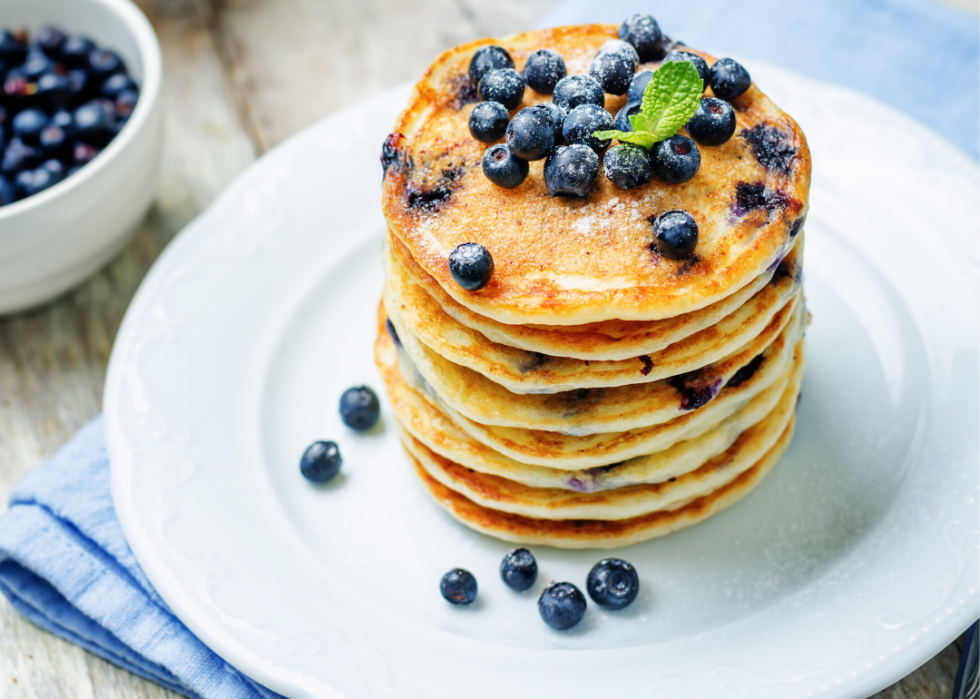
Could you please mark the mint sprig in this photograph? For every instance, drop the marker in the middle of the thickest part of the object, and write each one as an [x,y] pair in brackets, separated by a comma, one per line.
[669,101]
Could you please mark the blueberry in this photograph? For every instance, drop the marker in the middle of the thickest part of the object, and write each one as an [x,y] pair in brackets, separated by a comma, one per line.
[471,266]
[125,103]
[53,91]
[83,153]
[55,167]
[504,85]
[18,156]
[729,79]
[676,234]
[637,86]
[13,48]
[571,170]
[488,121]
[458,586]
[531,134]
[518,569]
[35,65]
[359,408]
[104,63]
[75,51]
[488,58]
[503,168]
[80,86]
[50,40]
[613,583]
[94,124]
[18,90]
[713,123]
[574,90]
[55,142]
[30,182]
[320,462]
[676,159]
[702,65]
[27,125]
[628,165]
[557,118]
[622,121]
[562,605]
[543,69]
[585,120]
[644,33]
[3,120]
[614,66]
[117,83]
[6,192]
[391,331]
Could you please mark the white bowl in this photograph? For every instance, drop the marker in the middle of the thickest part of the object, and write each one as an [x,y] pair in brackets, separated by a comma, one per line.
[54,240]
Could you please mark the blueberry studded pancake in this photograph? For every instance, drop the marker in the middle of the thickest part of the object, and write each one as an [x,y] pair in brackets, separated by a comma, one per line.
[571,261]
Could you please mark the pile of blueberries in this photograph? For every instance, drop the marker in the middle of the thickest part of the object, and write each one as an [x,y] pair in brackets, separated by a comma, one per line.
[63,100]
[612,583]
[561,131]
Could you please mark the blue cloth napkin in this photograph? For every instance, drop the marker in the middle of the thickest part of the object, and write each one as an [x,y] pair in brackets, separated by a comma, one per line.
[64,562]
[65,565]
[918,56]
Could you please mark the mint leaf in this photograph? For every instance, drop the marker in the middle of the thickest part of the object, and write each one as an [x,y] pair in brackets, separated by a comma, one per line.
[640,138]
[669,101]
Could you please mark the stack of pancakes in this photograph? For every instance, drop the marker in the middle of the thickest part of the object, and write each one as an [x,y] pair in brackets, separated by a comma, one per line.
[595,393]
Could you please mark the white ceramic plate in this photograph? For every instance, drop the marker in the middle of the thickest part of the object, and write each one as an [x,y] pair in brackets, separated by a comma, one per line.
[852,564]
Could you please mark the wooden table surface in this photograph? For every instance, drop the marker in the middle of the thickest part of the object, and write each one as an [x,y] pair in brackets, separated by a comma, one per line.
[241,76]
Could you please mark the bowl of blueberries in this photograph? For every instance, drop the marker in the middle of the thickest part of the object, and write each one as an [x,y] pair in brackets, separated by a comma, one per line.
[81,136]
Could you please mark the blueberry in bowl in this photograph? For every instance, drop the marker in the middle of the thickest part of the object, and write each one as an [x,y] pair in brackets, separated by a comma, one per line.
[100,189]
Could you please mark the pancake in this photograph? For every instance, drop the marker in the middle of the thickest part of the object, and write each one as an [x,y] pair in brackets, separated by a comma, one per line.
[420,418]
[581,412]
[594,533]
[561,261]
[505,495]
[608,340]
[415,312]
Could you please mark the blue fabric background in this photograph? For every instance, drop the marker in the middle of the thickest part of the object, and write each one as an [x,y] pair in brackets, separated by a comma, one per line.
[64,562]
[917,56]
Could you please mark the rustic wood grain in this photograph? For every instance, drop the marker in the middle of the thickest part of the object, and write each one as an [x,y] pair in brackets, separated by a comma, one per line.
[241,76]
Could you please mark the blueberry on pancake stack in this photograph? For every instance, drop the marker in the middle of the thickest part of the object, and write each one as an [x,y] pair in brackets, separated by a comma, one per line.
[592,322]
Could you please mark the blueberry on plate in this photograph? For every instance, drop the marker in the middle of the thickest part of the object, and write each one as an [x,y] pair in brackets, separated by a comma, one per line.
[6,192]
[585,120]
[638,85]
[571,171]
[488,58]
[320,462]
[643,32]
[561,605]
[702,65]
[28,124]
[675,234]
[103,63]
[531,134]
[117,83]
[93,122]
[627,165]
[676,159]
[75,51]
[729,79]
[518,569]
[503,168]
[713,123]
[458,586]
[488,121]
[504,85]
[543,69]
[622,121]
[359,408]
[574,90]
[614,65]
[471,266]
[613,583]
[50,40]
